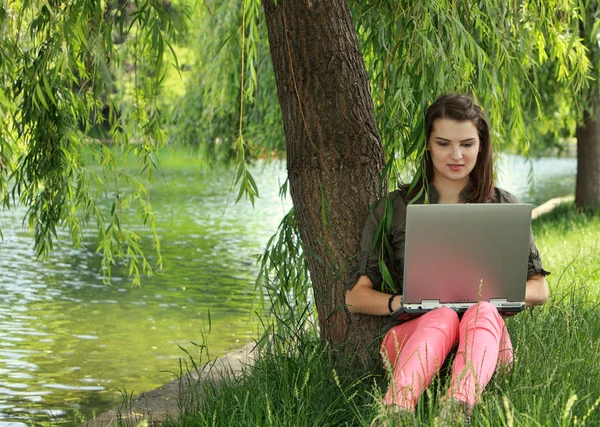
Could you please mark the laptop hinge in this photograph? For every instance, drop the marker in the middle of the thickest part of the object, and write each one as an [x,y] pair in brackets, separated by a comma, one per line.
[503,302]
[430,303]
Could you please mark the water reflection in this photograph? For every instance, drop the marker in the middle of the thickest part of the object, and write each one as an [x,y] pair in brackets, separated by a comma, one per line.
[68,342]
[537,180]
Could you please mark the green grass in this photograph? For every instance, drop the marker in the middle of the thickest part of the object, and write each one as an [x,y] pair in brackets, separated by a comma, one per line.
[555,380]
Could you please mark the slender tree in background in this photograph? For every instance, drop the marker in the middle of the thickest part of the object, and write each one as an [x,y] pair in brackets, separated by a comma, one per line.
[587,188]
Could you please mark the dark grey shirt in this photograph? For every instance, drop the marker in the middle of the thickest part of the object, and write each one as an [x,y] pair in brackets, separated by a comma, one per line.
[369,253]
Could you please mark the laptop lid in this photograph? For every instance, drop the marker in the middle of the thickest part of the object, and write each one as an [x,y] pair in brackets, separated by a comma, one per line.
[466,253]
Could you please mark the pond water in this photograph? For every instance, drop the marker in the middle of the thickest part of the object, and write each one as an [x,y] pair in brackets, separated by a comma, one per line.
[537,180]
[70,343]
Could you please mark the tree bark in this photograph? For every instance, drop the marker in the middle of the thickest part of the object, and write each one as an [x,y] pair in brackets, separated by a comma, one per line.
[334,154]
[587,190]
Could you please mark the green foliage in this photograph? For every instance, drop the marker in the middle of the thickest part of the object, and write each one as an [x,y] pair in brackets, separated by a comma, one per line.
[589,31]
[232,81]
[60,63]
[283,280]
[414,51]
[551,123]
[382,238]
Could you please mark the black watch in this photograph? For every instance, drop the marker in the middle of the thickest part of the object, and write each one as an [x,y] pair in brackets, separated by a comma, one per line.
[390,302]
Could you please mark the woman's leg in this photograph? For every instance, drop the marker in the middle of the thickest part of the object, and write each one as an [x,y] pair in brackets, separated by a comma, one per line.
[416,350]
[483,344]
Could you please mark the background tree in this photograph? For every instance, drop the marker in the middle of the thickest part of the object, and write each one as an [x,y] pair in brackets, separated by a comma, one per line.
[587,189]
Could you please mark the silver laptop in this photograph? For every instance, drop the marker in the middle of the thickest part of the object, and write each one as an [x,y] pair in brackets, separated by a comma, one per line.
[457,255]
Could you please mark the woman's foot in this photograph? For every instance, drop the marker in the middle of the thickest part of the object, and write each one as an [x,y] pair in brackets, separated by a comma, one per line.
[455,413]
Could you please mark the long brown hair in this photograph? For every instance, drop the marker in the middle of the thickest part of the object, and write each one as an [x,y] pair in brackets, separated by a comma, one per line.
[462,108]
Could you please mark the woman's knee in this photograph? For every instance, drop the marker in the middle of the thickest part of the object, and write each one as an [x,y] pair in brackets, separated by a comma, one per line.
[482,311]
[484,308]
[443,318]
[446,313]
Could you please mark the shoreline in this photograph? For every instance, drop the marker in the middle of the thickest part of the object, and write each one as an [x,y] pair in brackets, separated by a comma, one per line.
[154,406]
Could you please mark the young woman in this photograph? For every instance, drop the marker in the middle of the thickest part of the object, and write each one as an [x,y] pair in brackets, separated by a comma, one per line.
[458,169]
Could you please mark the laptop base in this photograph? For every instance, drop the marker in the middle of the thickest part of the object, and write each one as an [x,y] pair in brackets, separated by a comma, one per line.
[411,311]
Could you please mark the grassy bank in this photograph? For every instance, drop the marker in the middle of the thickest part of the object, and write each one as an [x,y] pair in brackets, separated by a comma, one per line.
[555,379]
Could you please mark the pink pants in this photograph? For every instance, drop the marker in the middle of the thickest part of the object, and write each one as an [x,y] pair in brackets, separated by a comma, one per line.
[416,350]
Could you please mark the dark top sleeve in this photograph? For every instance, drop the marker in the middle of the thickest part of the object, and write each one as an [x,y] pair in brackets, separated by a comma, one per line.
[370,249]
[534,265]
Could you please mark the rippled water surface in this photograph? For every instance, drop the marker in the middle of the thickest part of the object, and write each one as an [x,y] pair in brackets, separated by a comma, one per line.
[69,343]
[537,180]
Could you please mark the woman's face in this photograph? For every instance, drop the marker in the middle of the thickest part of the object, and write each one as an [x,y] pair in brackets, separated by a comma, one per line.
[453,147]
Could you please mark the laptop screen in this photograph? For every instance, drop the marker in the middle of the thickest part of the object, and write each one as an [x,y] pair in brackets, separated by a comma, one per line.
[466,252]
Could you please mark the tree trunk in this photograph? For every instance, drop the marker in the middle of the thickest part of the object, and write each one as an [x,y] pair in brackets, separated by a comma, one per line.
[587,190]
[334,154]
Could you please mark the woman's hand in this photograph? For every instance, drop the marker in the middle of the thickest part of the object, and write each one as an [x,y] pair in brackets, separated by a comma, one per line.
[536,290]
[362,298]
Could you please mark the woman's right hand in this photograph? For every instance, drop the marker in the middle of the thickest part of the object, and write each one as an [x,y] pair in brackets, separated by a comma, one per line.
[362,298]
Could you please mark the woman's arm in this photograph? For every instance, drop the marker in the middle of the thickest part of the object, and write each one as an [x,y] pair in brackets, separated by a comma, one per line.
[536,290]
[362,298]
